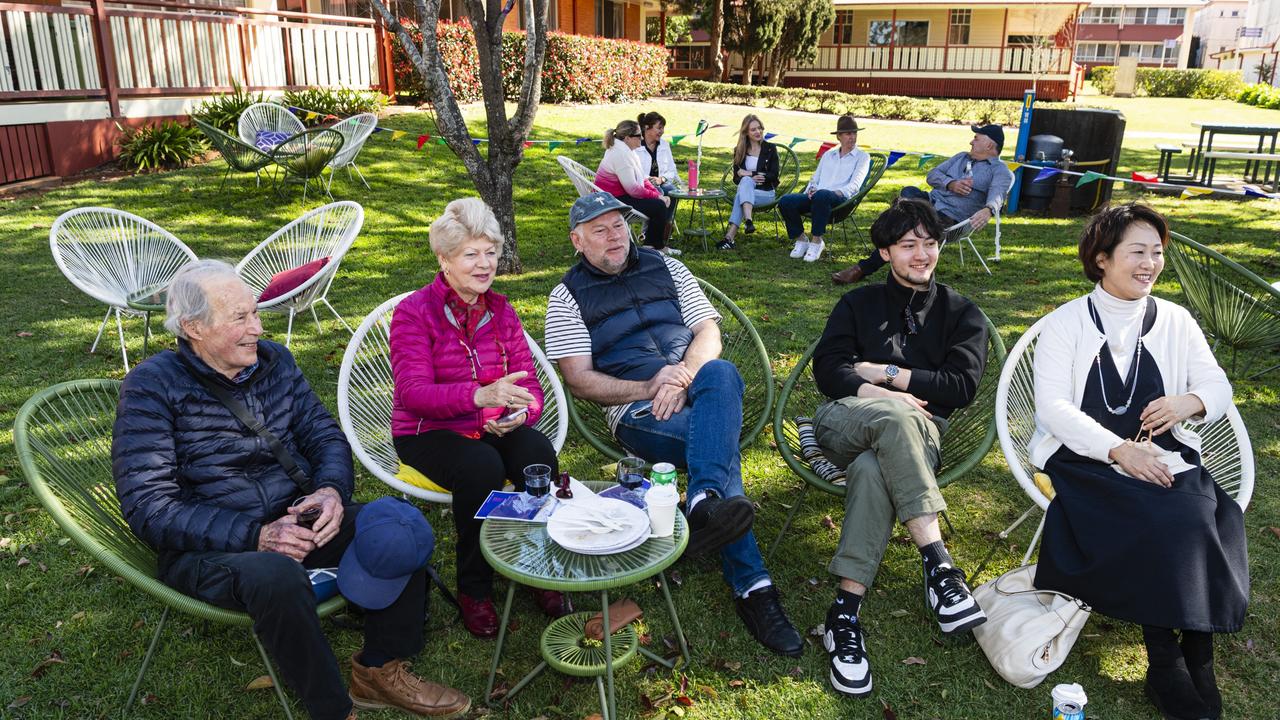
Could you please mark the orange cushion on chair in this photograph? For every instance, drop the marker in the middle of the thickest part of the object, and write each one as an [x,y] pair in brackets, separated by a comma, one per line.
[286,281]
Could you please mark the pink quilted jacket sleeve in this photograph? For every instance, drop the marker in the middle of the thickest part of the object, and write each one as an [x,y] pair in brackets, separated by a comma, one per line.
[413,369]
[519,358]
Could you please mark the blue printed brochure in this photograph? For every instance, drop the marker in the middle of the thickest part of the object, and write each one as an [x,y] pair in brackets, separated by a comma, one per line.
[504,506]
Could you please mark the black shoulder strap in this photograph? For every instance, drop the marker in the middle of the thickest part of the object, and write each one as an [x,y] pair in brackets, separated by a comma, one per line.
[250,421]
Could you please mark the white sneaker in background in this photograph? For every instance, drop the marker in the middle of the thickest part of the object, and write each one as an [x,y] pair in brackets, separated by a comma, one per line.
[815,251]
[801,248]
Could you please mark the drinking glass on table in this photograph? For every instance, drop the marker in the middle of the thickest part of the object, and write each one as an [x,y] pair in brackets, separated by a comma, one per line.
[631,478]
[537,485]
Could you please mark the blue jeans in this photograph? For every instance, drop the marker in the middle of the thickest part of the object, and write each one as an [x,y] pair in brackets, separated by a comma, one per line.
[703,437]
[793,207]
[747,193]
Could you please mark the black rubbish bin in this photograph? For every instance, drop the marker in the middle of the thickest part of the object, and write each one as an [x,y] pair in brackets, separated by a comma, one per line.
[1042,151]
[1095,136]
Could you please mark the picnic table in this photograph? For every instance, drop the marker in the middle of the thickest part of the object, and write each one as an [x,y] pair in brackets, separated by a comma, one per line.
[1200,168]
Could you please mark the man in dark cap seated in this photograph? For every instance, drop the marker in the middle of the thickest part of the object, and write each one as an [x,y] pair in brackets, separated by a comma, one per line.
[969,186]
[238,509]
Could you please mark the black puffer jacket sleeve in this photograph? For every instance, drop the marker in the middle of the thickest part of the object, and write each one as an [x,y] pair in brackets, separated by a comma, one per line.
[320,439]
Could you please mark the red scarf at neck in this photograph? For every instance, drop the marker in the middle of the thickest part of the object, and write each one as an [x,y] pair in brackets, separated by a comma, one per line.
[467,316]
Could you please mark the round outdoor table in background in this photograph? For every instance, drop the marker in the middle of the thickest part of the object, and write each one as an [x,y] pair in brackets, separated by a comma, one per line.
[524,554]
[148,300]
[697,210]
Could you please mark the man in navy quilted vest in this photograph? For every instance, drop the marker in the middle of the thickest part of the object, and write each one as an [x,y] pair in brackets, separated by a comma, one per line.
[631,330]
[224,504]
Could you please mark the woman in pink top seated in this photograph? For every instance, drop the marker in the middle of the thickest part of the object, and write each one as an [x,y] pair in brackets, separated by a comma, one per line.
[466,393]
[621,175]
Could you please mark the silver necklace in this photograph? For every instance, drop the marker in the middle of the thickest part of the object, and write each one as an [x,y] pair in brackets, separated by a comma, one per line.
[1133,371]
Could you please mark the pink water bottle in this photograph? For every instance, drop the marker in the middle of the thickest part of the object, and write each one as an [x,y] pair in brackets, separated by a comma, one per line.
[693,175]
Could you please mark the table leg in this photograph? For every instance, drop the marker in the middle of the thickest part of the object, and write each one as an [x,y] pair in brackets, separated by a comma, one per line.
[675,619]
[608,655]
[525,680]
[604,703]
[502,635]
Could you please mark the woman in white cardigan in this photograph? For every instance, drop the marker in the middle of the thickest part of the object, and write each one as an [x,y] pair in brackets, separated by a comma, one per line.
[621,175]
[1138,529]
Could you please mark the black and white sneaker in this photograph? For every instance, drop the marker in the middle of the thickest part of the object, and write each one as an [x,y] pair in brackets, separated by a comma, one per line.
[850,671]
[946,593]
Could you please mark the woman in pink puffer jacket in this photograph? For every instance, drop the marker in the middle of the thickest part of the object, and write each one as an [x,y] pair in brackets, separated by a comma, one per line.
[466,394]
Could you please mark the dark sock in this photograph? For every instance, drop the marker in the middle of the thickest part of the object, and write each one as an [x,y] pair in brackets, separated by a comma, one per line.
[374,658]
[848,602]
[935,554]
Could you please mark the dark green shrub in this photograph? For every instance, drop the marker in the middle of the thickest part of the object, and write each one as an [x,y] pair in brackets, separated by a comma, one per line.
[223,111]
[168,144]
[1104,79]
[338,102]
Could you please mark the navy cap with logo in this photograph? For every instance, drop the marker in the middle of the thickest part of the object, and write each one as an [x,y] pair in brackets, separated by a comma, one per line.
[392,542]
[589,207]
[995,132]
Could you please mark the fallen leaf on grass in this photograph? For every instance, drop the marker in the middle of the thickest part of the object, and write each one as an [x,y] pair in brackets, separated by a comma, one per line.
[887,711]
[828,523]
[55,658]
[897,613]
[818,630]
[914,661]
[149,699]
[736,683]
[85,571]
[78,616]
[235,662]
[684,700]
[594,716]
[19,702]
[140,622]
[1275,531]
[796,671]
[23,562]
[24,333]
[988,684]
[262,682]
[733,665]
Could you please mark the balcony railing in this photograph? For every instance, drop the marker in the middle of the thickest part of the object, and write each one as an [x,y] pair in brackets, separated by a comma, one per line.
[149,47]
[959,59]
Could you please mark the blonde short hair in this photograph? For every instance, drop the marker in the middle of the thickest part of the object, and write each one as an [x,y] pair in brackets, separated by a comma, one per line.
[464,219]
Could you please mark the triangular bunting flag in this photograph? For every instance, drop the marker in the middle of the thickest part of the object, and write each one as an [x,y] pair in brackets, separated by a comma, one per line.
[823,149]
[926,157]
[380,129]
[1014,167]
[1046,173]
[770,136]
[311,116]
[527,143]
[422,140]
[397,134]
[554,144]
[1188,192]
[1088,177]
[441,141]
[579,141]
[1144,177]
[795,141]
[330,117]
[476,142]
[675,139]
[1250,191]
[702,127]
[894,156]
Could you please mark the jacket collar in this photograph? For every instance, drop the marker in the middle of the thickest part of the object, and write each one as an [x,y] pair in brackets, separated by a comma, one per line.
[921,301]
[439,289]
[633,257]
[267,357]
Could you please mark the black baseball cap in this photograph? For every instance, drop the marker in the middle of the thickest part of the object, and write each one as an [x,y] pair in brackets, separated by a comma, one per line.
[995,132]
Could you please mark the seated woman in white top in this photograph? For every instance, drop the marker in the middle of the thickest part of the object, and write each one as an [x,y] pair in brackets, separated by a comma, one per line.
[655,157]
[621,175]
[1138,529]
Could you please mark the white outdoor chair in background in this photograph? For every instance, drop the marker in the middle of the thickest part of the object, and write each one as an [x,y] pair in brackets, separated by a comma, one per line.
[962,234]
[114,256]
[366,390]
[1226,451]
[583,180]
[266,116]
[355,130]
[328,231]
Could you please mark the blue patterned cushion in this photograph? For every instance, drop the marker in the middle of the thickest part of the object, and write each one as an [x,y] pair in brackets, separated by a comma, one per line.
[266,140]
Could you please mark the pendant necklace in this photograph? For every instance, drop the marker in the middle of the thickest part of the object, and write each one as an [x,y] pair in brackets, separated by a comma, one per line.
[1132,381]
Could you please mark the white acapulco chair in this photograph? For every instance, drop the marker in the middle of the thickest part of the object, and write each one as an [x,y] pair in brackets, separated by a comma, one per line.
[1225,452]
[355,130]
[583,180]
[114,256]
[366,390]
[962,234]
[328,231]
[266,116]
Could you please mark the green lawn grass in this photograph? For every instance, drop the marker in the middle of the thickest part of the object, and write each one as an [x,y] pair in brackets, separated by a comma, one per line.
[100,626]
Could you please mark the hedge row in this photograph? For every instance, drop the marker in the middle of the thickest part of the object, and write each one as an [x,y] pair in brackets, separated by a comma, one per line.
[1262,95]
[577,68]
[1173,82]
[888,107]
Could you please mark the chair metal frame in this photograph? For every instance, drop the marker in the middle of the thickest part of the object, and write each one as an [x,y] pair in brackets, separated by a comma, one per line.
[1226,451]
[962,233]
[366,390]
[110,255]
[583,179]
[971,431]
[355,131]
[327,231]
[62,436]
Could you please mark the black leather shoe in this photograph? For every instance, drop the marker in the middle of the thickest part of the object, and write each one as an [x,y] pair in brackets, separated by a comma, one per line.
[761,611]
[715,522]
[1170,689]
[748,227]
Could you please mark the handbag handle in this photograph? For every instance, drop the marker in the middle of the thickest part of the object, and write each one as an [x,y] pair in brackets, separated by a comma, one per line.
[996,586]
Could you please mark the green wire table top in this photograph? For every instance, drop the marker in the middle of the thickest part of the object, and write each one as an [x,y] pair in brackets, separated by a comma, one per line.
[524,553]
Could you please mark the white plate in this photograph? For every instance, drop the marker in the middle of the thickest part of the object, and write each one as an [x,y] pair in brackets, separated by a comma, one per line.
[634,524]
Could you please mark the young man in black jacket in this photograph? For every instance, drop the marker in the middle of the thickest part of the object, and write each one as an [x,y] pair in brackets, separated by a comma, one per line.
[896,359]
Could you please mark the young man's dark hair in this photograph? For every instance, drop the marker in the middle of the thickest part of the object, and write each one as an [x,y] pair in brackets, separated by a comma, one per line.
[902,217]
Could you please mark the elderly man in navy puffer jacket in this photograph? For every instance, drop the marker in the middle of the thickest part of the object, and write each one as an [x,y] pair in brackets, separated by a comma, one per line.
[210,496]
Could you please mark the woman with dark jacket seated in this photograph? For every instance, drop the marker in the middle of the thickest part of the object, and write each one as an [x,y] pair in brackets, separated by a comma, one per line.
[755,172]
[621,175]
[1138,529]
[467,394]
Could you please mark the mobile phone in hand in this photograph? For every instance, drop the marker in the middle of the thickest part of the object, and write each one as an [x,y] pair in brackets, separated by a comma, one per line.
[511,416]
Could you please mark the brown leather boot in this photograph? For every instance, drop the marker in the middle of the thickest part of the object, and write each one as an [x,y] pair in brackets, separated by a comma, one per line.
[848,276]
[392,685]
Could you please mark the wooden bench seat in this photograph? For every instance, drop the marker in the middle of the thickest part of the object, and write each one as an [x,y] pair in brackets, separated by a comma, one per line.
[1234,155]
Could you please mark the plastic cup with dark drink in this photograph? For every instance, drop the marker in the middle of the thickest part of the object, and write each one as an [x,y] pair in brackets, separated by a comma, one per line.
[537,486]
[308,517]
[631,478]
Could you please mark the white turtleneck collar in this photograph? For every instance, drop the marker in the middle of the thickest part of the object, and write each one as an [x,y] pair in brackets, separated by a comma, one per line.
[1122,321]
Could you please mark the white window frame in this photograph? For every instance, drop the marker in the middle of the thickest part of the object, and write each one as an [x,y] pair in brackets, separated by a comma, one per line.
[959,19]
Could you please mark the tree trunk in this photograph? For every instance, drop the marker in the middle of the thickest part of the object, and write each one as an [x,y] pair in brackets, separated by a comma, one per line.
[716,31]
[748,67]
[491,175]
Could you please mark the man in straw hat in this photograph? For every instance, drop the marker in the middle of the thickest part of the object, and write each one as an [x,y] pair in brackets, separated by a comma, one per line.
[839,176]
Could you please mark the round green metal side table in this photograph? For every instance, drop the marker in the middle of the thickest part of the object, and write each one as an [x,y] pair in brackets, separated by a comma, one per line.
[696,200]
[524,553]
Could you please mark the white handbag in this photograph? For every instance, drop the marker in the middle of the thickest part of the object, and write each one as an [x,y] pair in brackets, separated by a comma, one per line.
[1028,632]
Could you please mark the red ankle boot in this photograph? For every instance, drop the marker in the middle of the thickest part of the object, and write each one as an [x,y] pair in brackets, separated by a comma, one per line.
[479,616]
[554,604]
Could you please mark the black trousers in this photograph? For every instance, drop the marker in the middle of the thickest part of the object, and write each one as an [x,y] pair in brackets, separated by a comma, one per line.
[275,591]
[471,469]
[655,233]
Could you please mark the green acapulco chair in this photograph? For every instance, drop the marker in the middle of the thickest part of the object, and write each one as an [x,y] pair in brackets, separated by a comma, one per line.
[304,157]
[1234,306]
[240,156]
[970,434]
[788,178]
[63,439]
[842,214]
[741,345]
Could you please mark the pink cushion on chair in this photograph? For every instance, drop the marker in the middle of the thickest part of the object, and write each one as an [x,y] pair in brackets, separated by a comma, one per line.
[286,281]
